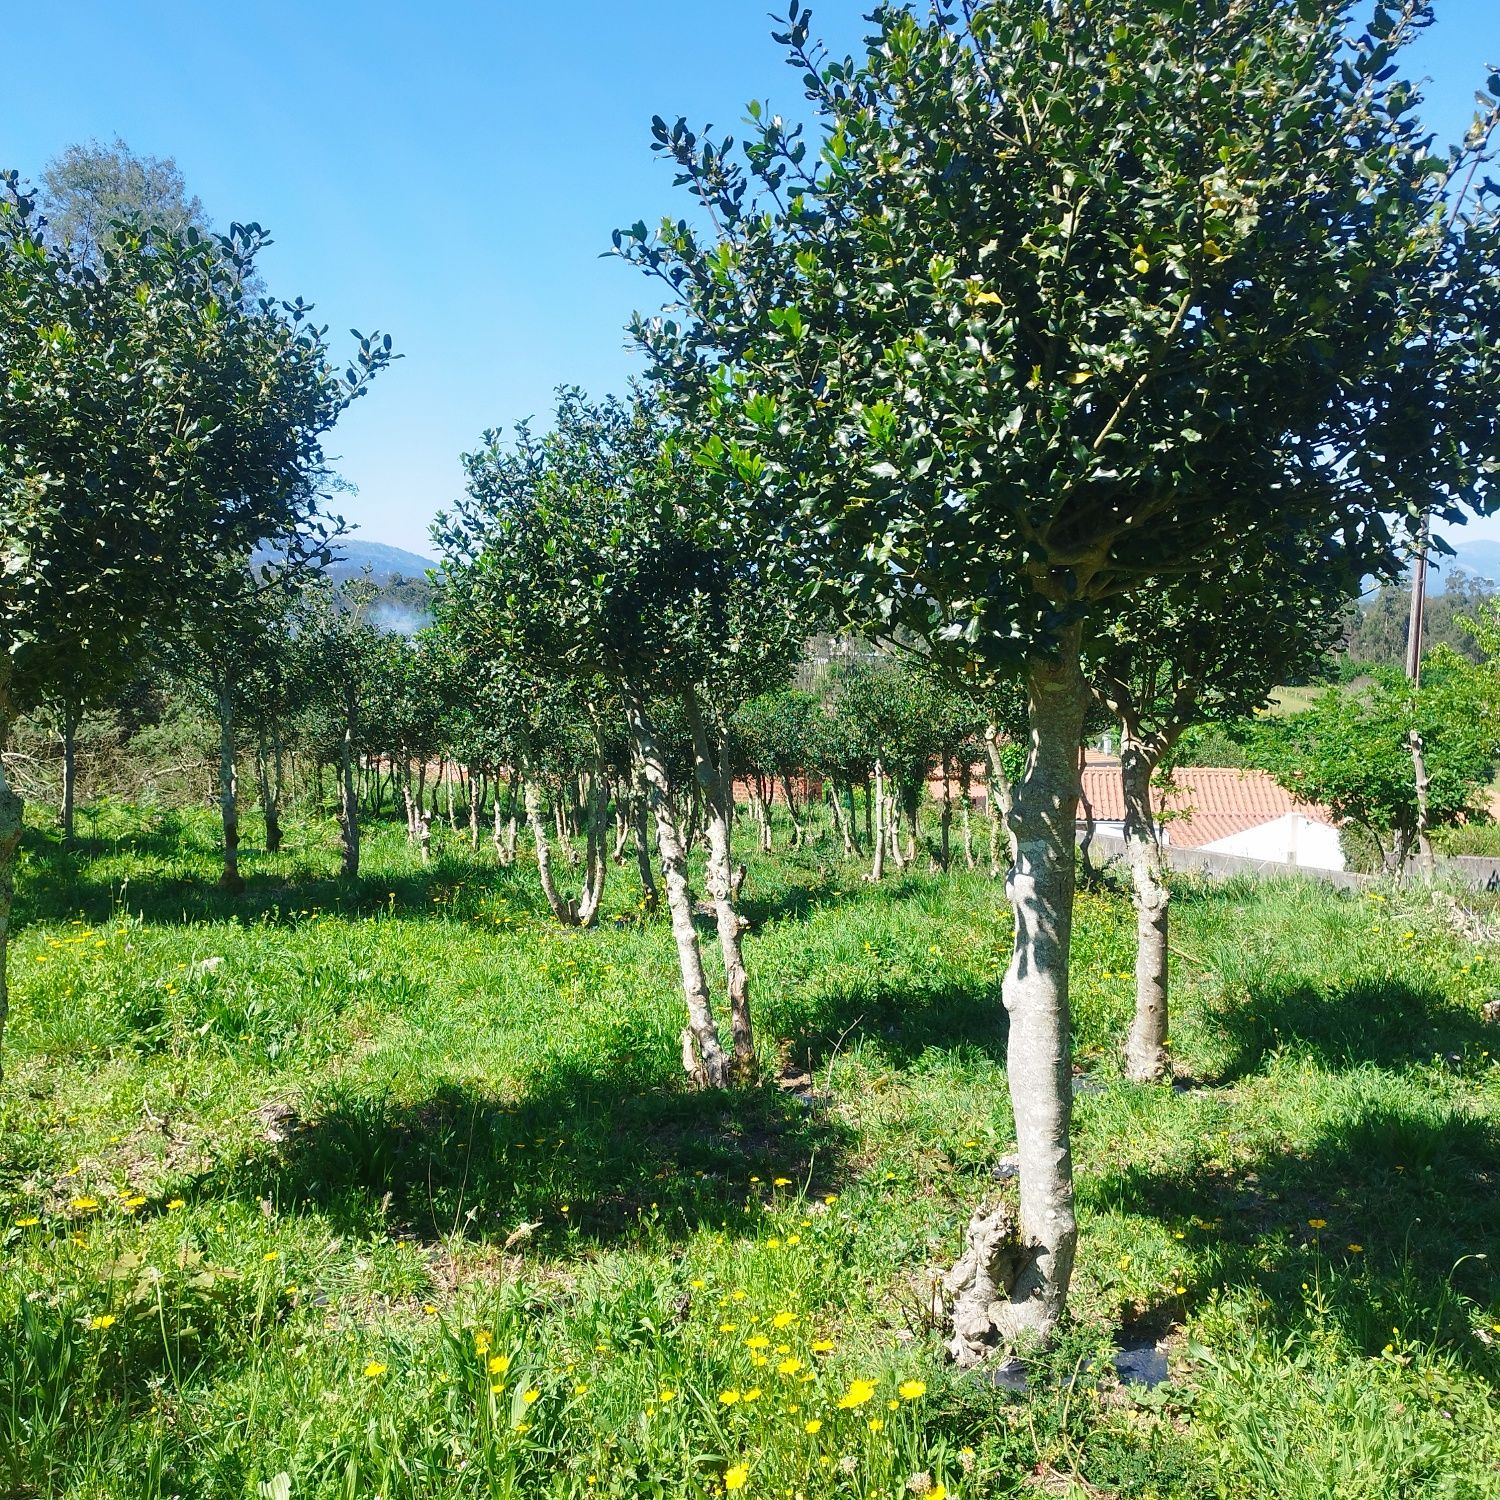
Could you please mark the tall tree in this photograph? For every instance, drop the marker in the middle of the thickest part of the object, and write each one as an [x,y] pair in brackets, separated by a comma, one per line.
[154,421]
[1064,296]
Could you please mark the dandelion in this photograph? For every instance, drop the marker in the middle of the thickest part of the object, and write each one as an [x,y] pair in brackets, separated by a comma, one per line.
[729,1398]
[736,1476]
[85,1205]
[271,1255]
[30,1221]
[813,1425]
[176,1203]
[858,1393]
[104,1320]
[499,1364]
[757,1341]
[482,1341]
[580,1389]
[789,1367]
[781,1182]
[529,1397]
[876,1423]
[697,1283]
[793,1239]
[662,1396]
[783,1320]
[911,1390]
[1318,1223]
[753,1394]
[374,1370]
[1356,1249]
[821,1346]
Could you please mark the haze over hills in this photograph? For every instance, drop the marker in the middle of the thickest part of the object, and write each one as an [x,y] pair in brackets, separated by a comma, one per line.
[1479,557]
[352,555]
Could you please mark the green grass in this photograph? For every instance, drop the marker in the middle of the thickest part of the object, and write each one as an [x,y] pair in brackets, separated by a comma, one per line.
[303,1163]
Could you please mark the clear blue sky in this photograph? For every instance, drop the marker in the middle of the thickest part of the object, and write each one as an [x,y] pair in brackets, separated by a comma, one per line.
[449,172]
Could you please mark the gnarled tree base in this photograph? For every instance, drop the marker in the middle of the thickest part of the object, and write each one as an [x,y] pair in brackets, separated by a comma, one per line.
[989,1288]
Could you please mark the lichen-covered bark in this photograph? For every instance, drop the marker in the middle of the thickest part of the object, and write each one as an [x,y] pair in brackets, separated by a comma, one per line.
[1146,1056]
[566,912]
[877,863]
[717,799]
[703,1055]
[1025,1295]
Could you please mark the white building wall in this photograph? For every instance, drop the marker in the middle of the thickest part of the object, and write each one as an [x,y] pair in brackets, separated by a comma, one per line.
[1291,839]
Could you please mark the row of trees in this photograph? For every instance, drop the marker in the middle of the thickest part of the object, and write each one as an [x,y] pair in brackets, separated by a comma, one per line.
[1091,354]
[1133,322]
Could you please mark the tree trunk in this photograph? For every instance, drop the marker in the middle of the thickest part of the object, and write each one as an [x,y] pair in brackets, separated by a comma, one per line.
[1001,798]
[650,895]
[877,867]
[476,807]
[348,797]
[1020,1288]
[841,817]
[10,842]
[965,799]
[595,809]
[703,1055]
[69,770]
[1086,843]
[229,809]
[1426,864]
[946,825]
[791,811]
[1146,1057]
[566,912]
[717,795]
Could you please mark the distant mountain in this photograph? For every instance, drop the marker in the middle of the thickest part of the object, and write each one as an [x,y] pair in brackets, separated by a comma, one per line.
[1475,556]
[352,555]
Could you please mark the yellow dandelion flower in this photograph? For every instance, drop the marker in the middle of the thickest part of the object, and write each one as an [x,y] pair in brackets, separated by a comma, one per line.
[793,1239]
[529,1397]
[271,1255]
[821,1346]
[30,1221]
[499,1364]
[1356,1249]
[374,1370]
[757,1341]
[783,1320]
[814,1425]
[729,1398]
[1317,1223]
[662,1396]
[789,1367]
[104,1320]
[177,1203]
[85,1205]
[753,1394]
[580,1389]
[697,1283]
[876,1423]
[736,1476]
[482,1341]
[858,1393]
[910,1390]
[781,1182]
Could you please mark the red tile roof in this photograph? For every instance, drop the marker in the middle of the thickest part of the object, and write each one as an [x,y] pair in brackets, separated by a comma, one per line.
[1205,804]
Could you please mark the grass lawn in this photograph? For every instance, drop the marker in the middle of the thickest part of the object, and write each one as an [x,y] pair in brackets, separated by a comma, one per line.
[390,1189]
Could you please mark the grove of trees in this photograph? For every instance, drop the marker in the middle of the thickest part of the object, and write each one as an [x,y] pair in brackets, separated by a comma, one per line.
[1087,357]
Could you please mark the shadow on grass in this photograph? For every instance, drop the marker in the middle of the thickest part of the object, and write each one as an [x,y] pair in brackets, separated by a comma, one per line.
[174,886]
[583,1155]
[1389,1023]
[1390,1220]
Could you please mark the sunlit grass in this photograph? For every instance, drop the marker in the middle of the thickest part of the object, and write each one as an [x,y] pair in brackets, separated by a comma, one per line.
[392,1189]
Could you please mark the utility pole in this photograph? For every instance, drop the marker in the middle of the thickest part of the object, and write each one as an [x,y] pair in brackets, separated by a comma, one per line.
[1425,860]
